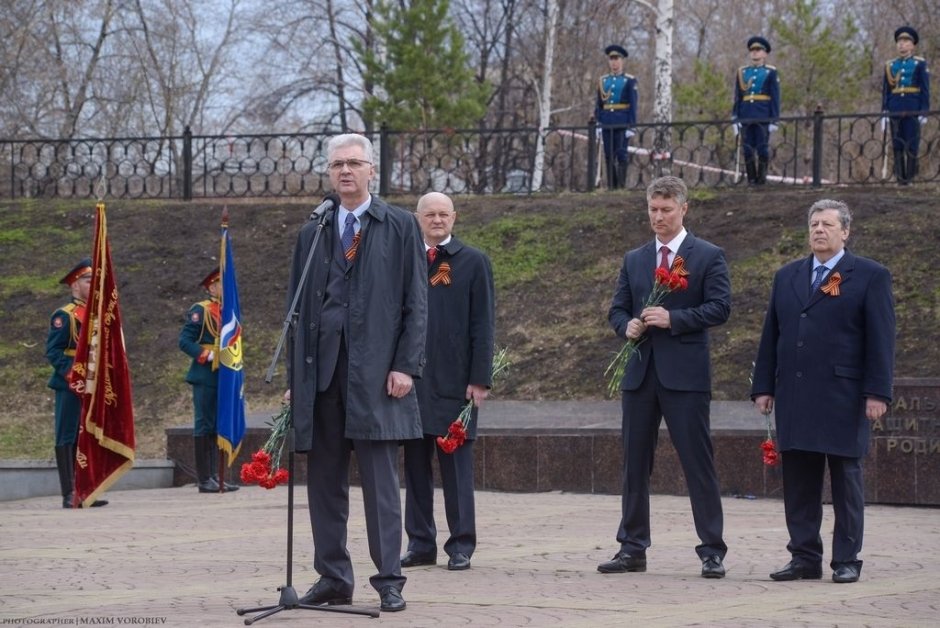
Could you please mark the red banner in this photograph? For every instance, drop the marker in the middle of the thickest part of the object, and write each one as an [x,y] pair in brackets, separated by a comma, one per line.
[101,378]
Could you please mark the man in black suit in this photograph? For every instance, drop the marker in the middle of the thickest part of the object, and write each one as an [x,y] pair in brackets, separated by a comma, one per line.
[670,377]
[459,367]
[358,345]
[826,357]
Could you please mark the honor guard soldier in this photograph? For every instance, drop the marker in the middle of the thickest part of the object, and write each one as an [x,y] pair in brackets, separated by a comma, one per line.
[756,109]
[905,101]
[615,113]
[198,340]
[61,343]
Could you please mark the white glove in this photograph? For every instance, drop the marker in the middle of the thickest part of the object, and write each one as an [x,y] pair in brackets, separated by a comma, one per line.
[884,123]
[210,357]
[735,128]
[629,133]
[598,132]
[772,128]
[923,120]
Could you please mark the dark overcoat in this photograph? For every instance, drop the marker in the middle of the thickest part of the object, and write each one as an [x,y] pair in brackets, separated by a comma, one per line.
[821,356]
[681,352]
[387,324]
[461,325]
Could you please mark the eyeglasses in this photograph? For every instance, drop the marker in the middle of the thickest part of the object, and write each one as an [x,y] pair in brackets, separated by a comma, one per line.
[352,164]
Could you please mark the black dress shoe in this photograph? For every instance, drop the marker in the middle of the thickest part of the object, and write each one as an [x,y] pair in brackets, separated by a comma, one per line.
[98,503]
[845,573]
[712,567]
[414,559]
[622,563]
[392,601]
[458,562]
[209,486]
[797,571]
[323,592]
[212,486]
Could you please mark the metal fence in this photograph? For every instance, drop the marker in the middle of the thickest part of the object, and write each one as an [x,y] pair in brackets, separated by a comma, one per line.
[818,150]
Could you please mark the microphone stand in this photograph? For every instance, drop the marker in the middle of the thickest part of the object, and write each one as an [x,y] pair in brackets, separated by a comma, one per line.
[289,599]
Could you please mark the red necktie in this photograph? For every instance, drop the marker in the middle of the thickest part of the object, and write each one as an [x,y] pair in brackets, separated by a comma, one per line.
[432,255]
[664,260]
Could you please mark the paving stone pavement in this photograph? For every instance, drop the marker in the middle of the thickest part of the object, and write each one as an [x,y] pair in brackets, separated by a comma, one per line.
[173,557]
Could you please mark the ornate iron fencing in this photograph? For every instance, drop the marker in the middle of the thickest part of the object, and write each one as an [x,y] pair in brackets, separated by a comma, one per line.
[847,149]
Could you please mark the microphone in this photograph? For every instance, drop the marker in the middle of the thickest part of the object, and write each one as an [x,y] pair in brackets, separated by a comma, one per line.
[331,201]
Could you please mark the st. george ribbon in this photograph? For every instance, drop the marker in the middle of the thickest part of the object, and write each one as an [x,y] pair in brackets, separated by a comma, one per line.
[331,201]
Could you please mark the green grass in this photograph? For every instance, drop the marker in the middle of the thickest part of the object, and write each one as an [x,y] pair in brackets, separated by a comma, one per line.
[11,284]
[29,440]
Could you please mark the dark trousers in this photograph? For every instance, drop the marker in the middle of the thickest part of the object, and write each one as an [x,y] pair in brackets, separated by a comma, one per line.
[803,474]
[328,493]
[457,484]
[616,155]
[755,139]
[68,409]
[205,404]
[687,418]
[905,141]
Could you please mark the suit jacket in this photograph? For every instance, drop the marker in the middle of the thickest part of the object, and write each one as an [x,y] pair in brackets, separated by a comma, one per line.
[820,356]
[461,326]
[387,324]
[681,352]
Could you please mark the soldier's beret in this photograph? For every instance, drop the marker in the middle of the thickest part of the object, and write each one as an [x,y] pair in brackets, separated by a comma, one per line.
[906,31]
[757,40]
[213,276]
[80,269]
[614,49]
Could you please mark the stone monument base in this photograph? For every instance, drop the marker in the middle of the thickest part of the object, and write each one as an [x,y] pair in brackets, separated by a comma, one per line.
[575,446]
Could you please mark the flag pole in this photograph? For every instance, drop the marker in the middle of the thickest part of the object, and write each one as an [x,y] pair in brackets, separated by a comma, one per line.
[218,347]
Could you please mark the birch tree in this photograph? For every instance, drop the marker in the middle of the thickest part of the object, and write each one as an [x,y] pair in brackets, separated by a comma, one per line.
[545,92]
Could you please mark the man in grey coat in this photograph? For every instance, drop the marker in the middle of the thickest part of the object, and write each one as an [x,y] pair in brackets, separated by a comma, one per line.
[358,343]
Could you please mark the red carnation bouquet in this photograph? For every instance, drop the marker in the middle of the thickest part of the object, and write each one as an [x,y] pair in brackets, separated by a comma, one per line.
[457,432]
[664,282]
[769,445]
[264,468]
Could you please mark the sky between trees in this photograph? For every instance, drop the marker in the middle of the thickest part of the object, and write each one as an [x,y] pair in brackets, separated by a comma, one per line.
[118,68]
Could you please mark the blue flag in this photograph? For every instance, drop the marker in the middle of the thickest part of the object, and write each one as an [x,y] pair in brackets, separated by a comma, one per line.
[230,419]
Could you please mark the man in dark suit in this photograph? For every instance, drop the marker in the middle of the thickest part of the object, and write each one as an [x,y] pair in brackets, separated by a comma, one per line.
[358,345]
[826,361]
[459,368]
[670,377]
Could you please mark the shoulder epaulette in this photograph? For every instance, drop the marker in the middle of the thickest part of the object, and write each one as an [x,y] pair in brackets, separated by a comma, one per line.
[919,58]
[628,76]
[771,67]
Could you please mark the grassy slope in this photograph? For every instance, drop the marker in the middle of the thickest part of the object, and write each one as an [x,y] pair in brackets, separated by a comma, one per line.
[556,260]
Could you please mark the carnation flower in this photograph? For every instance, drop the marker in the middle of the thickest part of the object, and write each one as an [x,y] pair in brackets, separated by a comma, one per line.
[664,282]
[264,468]
[458,430]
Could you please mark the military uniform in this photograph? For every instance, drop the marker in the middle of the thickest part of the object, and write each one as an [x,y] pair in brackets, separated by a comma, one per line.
[61,343]
[198,339]
[615,112]
[905,96]
[756,108]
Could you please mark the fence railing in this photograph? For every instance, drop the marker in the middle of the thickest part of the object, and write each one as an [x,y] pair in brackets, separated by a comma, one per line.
[818,150]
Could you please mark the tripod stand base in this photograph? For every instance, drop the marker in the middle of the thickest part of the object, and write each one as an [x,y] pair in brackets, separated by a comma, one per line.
[289,601]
